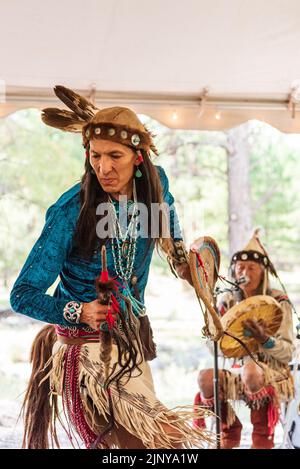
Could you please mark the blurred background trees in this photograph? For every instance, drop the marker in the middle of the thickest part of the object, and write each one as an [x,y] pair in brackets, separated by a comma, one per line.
[224,183]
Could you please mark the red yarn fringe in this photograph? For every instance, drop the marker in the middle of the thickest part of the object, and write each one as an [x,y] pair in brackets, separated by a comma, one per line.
[273,408]
[200,421]
[71,397]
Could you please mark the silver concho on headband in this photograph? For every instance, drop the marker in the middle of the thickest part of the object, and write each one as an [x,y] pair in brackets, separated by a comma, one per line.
[135,139]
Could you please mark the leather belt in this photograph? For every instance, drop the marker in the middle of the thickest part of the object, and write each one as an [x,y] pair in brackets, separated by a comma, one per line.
[76,340]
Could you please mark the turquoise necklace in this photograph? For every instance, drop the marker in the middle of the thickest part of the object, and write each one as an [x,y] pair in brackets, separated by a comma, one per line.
[124,245]
[124,249]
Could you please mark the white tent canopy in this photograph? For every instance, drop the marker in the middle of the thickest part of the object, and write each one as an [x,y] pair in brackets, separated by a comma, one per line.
[159,57]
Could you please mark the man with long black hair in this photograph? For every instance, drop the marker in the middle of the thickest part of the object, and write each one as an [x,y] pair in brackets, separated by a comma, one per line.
[99,238]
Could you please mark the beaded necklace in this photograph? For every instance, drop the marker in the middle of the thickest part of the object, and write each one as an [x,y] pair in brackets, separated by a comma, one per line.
[124,245]
[124,248]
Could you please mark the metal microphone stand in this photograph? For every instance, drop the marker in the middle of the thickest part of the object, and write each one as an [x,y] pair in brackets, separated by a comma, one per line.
[218,291]
[216,386]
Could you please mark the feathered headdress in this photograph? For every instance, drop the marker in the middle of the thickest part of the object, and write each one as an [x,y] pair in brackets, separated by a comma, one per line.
[255,251]
[119,124]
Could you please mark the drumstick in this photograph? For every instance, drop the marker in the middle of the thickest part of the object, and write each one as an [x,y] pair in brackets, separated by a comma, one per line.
[244,346]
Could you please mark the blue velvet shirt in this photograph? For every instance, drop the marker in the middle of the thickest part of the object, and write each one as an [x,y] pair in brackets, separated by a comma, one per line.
[53,255]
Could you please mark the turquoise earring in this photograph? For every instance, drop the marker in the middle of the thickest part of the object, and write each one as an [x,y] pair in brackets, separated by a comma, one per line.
[138,173]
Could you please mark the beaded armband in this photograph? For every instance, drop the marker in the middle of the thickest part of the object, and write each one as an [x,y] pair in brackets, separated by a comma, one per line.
[178,255]
[270,343]
[72,312]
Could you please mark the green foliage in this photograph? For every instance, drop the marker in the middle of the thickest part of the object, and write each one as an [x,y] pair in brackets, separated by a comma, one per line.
[37,164]
[275,179]
[196,164]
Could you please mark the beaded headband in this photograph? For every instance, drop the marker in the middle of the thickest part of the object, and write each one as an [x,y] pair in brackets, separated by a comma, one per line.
[254,256]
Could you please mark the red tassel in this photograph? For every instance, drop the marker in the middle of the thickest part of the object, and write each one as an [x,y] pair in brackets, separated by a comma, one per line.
[198,422]
[202,265]
[108,284]
[140,156]
[273,412]
[110,319]
[104,276]
[273,417]
[115,304]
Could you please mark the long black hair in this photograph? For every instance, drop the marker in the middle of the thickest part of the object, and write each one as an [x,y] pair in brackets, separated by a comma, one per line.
[149,190]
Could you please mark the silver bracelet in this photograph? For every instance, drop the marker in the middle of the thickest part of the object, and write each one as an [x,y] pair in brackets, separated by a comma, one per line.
[72,312]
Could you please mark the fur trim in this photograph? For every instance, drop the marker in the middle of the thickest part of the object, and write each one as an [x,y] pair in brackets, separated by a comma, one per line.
[40,411]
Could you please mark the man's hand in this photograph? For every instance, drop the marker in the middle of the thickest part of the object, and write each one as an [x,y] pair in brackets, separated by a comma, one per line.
[94,314]
[184,272]
[257,329]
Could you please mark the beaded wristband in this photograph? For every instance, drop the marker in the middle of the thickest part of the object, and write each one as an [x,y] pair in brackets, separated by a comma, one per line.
[72,312]
[179,255]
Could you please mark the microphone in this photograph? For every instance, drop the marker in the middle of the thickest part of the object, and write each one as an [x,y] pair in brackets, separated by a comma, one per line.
[242,280]
[235,285]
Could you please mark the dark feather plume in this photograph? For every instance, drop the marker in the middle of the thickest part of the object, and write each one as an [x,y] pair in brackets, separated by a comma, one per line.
[61,119]
[78,104]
